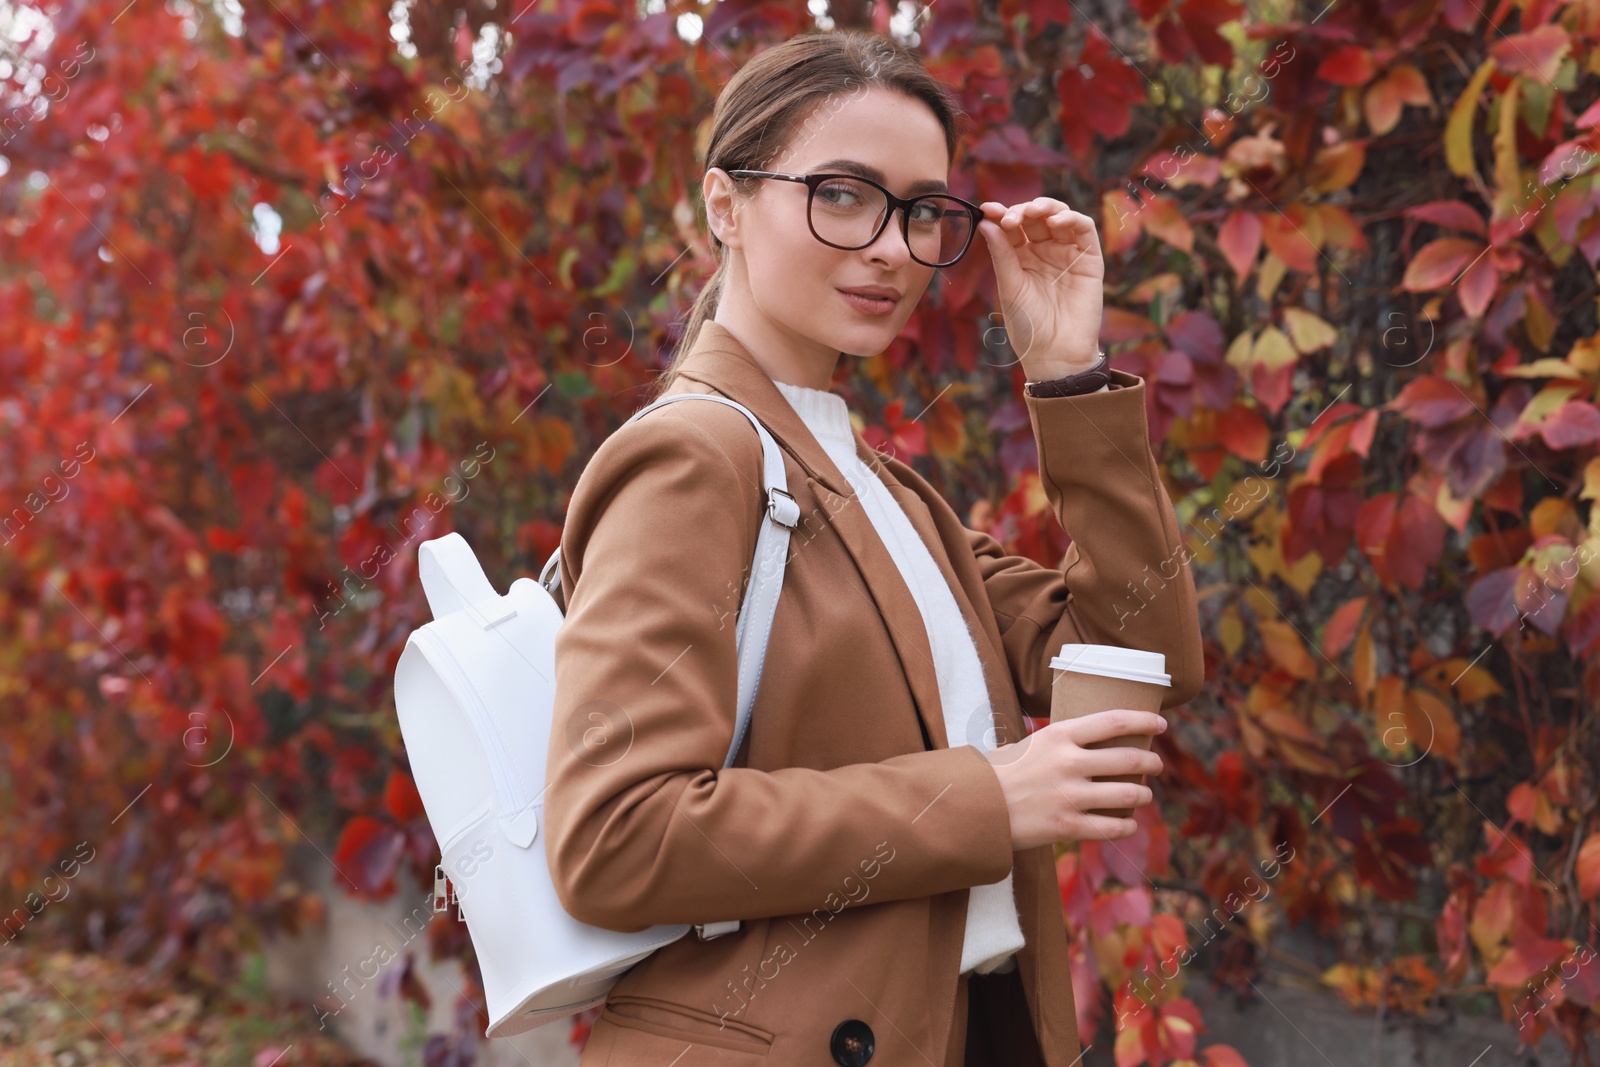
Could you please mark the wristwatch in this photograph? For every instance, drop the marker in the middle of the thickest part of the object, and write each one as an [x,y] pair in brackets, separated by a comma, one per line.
[1088,381]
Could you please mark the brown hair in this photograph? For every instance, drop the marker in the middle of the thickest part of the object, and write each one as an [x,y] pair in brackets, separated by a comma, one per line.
[766,102]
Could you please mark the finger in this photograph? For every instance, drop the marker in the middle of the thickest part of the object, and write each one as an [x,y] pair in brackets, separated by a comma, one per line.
[1122,760]
[1094,796]
[1104,725]
[1002,254]
[1070,225]
[1102,828]
[1010,225]
[1034,216]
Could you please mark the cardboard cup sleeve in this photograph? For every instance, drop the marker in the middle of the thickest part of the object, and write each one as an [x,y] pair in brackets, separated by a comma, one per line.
[1091,678]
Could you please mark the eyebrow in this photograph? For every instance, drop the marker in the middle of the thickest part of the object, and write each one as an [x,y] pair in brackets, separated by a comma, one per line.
[850,166]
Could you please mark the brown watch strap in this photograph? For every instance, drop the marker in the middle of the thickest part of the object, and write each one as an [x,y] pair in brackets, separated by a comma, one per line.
[1075,384]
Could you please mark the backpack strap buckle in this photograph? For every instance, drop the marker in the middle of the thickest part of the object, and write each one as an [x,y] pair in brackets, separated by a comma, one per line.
[781,508]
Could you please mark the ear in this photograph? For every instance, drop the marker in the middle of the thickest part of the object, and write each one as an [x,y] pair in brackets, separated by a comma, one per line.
[722,217]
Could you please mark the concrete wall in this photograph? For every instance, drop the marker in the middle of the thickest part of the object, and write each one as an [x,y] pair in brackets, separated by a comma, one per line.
[362,944]
[1284,1026]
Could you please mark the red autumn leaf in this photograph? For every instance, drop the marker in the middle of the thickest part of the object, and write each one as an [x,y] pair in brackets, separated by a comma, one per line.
[1440,263]
[1577,422]
[1401,536]
[1341,628]
[1362,433]
[1433,725]
[1222,1056]
[1097,93]
[1477,285]
[1373,523]
[1526,958]
[1243,432]
[1120,907]
[1240,240]
[1289,241]
[1347,65]
[401,799]
[1432,401]
[1588,867]
[1454,213]
[1322,516]
[1450,931]
[1416,542]
[1331,448]
[1492,600]
[1272,387]
[1520,803]
[368,853]
[1537,53]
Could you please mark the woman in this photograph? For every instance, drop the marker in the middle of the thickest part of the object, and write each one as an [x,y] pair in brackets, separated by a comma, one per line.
[885,833]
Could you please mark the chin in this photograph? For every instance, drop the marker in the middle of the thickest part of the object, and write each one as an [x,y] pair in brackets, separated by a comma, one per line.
[867,339]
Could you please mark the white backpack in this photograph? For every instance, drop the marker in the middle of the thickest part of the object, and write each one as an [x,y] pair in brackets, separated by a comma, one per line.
[474,690]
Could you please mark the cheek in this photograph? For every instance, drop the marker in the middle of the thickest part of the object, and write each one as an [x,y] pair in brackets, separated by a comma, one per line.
[791,267]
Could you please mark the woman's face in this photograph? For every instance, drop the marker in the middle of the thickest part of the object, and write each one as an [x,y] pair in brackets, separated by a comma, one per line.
[793,279]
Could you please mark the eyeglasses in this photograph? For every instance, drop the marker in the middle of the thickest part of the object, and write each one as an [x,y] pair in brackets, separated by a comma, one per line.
[850,212]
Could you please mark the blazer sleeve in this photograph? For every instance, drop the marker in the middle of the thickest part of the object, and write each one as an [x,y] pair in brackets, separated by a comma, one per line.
[643,823]
[1125,579]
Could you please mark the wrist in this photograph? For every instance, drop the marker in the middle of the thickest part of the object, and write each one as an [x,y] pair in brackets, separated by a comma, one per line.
[1044,372]
[1051,367]
[1095,377]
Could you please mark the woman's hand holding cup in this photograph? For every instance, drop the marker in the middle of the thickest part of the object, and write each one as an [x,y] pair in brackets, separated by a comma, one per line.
[1048,778]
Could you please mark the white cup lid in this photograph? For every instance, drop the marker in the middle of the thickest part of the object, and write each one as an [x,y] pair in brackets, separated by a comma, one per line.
[1112,661]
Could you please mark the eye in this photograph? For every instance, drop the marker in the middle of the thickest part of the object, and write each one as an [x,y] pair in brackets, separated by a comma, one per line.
[842,193]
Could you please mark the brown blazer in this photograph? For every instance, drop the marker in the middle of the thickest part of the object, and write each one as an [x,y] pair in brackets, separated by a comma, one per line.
[847,833]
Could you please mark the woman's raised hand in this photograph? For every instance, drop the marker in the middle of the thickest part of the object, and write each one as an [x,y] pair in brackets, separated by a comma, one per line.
[1049,273]
[1046,778]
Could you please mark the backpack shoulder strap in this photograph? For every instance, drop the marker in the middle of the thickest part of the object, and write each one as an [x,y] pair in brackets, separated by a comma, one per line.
[766,573]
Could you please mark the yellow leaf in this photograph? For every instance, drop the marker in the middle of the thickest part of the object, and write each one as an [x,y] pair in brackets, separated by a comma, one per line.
[1389,713]
[1549,367]
[1119,221]
[1545,402]
[1336,166]
[1231,628]
[1239,351]
[1303,573]
[1268,275]
[1433,725]
[1553,514]
[1364,661]
[1165,220]
[1168,283]
[1585,355]
[1284,646]
[1308,332]
[1272,349]
[1591,480]
[1507,175]
[1260,601]
[1458,131]
[1472,682]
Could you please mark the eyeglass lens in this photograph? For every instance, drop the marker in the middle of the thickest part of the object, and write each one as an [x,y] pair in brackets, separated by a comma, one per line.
[846,212]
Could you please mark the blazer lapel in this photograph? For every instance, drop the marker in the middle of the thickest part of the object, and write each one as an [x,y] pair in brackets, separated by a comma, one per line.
[719,360]
[966,583]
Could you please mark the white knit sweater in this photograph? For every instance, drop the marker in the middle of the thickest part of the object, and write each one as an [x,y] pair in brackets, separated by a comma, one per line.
[993,933]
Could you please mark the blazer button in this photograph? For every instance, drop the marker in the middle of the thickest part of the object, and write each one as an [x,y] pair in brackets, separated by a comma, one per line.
[851,1044]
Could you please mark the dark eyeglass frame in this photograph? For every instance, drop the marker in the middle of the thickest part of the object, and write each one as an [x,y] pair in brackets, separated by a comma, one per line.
[903,204]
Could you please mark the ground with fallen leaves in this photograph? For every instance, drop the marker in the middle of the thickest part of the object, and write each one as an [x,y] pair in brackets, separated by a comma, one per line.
[61,1009]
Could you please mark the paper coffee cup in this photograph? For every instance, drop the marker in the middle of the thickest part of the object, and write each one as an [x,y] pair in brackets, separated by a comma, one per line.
[1093,678]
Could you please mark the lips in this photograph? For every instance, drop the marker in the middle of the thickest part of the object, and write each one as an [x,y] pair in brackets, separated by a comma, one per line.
[880,291]
[869,305]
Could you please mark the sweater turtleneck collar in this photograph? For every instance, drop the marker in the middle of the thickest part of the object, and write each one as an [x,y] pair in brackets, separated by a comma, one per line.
[825,414]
